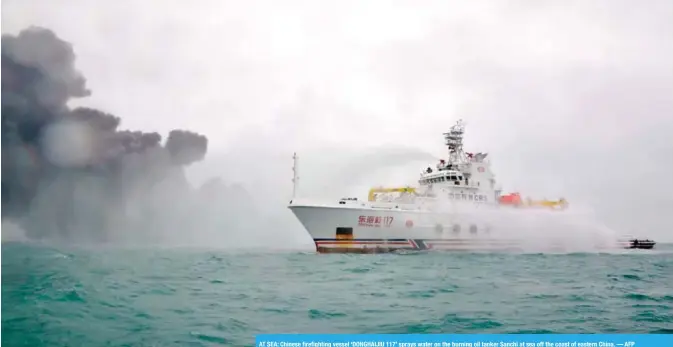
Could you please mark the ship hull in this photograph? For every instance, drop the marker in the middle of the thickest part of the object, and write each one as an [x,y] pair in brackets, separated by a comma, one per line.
[354,229]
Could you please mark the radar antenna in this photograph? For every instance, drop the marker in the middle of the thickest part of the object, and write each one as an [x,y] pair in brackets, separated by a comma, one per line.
[454,141]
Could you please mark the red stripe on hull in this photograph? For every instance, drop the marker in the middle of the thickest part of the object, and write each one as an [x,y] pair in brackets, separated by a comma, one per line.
[362,243]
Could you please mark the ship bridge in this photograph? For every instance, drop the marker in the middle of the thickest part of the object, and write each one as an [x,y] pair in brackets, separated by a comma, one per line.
[470,175]
[460,185]
[450,177]
[463,175]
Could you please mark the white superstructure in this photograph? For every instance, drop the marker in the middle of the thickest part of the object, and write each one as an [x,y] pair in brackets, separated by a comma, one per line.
[442,212]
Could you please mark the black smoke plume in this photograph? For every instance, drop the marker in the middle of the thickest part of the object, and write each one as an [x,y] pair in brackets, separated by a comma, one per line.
[73,173]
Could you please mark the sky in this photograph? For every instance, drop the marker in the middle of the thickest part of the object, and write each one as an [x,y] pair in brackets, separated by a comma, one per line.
[571,98]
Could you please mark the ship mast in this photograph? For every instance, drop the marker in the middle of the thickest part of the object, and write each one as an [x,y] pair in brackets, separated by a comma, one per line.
[454,141]
[295,178]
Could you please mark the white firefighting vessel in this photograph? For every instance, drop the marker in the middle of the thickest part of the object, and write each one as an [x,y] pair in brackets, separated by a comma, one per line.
[445,211]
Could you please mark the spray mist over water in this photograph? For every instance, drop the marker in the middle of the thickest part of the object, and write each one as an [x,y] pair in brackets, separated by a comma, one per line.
[575,229]
[386,166]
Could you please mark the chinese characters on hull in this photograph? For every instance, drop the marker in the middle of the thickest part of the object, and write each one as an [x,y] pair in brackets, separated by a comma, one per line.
[375,221]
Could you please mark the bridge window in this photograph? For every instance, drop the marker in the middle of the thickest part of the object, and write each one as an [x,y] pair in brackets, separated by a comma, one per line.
[471,197]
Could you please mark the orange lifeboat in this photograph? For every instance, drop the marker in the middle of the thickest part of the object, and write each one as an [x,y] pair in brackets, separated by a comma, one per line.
[512,199]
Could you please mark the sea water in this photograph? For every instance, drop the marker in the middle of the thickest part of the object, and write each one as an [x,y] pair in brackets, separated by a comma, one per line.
[92,296]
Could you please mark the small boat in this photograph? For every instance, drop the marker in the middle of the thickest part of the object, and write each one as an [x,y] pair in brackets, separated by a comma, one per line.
[641,244]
